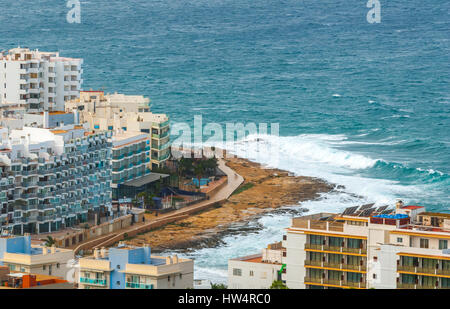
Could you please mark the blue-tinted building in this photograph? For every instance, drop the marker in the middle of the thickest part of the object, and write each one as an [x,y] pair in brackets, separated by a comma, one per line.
[126,267]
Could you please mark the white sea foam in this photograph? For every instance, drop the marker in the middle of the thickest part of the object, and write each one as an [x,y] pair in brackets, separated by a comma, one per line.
[307,155]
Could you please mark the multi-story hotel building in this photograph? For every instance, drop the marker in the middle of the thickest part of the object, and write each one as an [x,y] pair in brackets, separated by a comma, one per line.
[363,247]
[53,178]
[126,267]
[20,255]
[126,113]
[129,161]
[369,247]
[37,80]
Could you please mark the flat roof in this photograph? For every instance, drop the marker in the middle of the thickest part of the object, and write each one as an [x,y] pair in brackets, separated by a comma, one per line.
[255,258]
[145,180]
[435,214]
[412,207]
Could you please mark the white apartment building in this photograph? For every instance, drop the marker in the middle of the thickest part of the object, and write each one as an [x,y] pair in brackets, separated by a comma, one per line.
[126,113]
[257,271]
[53,178]
[38,81]
[369,247]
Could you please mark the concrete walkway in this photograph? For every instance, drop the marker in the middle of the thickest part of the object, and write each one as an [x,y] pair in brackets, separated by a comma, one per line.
[234,180]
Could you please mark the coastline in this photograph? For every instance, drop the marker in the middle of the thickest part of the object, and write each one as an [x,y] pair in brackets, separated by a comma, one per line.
[264,190]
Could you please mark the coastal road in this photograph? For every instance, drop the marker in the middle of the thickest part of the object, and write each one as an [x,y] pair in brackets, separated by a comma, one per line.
[234,180]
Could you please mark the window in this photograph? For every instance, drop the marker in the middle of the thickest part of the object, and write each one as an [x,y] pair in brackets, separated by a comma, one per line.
[252,273]
[354,277]
[237,272]
[334,258]
[429,263]
[354,243]
[335,241]
[443,244]
[334,275]
[57,265]
[316,239]
[43,267]
[315,256]
[118,282]
[410,261]
[374,276]
[424,243]
[118,267]
[353,260]
[399,239]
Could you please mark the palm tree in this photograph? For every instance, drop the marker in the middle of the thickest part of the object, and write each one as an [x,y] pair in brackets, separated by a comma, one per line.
[210,165]
[148,199]
[50,241]
[199,171]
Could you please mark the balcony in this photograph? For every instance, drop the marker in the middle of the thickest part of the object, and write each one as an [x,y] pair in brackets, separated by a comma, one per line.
[336,249]
[131,285]
[160,125]
[335,282]
[314,280]
[100,282]
[340,266]
[313,263]
[318,225]
[422,270]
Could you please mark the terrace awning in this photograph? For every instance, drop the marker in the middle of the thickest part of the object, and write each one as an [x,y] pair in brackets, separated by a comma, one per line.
[152,177]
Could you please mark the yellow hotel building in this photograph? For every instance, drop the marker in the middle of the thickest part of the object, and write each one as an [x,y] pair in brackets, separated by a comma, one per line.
[369,247]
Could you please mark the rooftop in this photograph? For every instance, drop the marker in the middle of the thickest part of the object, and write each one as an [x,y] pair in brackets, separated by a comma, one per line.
[145,180]
[435,214]
[412,207]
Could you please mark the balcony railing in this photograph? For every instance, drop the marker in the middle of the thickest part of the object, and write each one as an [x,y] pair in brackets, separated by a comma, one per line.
[131,285]
[101,282]
[336,282]
[423,270]
[311,279]
[406,286]
[336,249]
[313,263]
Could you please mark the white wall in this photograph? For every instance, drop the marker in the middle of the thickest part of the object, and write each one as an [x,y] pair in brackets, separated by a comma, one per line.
[295,260]
[264,274]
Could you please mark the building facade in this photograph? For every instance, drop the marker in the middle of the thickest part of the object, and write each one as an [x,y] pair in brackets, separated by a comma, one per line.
[126,113]
[257,271]
[129,161]
[53,178]
[37,80]
[20,256]
[369,248]
[127,267]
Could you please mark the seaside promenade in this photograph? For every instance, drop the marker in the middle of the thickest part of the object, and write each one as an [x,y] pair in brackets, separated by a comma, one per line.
[220,195]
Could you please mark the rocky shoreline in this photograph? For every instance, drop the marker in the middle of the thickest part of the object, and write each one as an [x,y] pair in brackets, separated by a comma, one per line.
[263,192]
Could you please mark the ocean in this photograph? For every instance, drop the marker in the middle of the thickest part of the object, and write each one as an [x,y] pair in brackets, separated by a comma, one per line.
[362,105]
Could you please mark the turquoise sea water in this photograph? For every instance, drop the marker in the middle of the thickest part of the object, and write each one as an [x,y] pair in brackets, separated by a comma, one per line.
[316,67]
[363,105]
